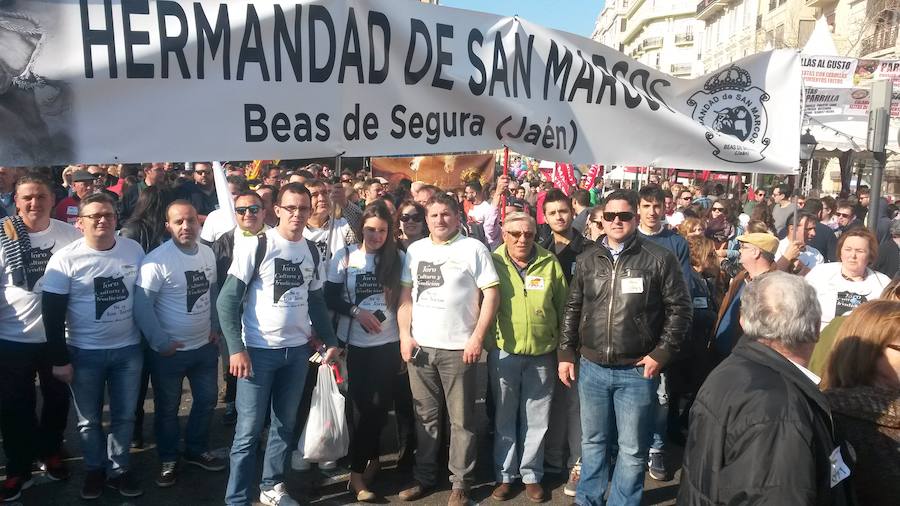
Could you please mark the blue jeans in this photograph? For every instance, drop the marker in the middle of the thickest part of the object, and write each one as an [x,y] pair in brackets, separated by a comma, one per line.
[523,389]
[276,384]
[201,368]
[614,398]
[660,417]
[96,371]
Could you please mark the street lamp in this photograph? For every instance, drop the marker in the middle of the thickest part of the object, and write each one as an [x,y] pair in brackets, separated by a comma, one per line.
[808,144]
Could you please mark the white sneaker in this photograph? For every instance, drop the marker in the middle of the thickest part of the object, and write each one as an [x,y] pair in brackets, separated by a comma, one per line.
[278,496]
[298,463]
[328,465]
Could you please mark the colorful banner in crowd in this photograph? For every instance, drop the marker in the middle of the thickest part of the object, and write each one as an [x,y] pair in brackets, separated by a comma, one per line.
[144,80]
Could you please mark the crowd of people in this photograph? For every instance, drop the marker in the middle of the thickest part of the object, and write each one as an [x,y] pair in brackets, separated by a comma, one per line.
[760,331]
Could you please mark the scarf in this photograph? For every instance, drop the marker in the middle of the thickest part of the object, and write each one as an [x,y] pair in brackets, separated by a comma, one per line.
[16,246]
[719,230]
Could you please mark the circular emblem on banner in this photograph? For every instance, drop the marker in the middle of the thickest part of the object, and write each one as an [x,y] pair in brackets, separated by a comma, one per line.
[734,114]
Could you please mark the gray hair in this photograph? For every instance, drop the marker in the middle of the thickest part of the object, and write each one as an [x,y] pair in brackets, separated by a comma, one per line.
[781,307]
[519,216]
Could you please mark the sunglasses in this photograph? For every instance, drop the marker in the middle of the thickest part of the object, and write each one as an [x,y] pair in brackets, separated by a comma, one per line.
[243,210]
[718,209]
[415,217]
[516,234]
[844,215]
[623,216]
[99,175]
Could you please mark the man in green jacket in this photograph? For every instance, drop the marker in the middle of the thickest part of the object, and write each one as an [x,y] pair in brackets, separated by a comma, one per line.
[521,359]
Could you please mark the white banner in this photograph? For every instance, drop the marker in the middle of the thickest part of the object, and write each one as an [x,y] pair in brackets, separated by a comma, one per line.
[827,71]
[114,81]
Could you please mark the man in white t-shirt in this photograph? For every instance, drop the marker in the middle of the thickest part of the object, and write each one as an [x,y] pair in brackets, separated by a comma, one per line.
[483,212]
[220,221]
[178,280]
[442,329]
[268,306]
[794,255]
[249,211]
[27,435]
[329,234]
[87,304]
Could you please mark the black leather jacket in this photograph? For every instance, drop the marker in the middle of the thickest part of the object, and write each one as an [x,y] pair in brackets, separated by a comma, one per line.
[620,311]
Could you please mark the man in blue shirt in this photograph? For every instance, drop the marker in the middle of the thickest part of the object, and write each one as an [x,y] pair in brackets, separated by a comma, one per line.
[651,210]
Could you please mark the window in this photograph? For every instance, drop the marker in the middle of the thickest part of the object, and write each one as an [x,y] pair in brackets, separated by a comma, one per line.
[622,24]
[778,43]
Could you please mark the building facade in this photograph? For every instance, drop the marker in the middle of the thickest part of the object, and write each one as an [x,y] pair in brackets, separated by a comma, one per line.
[658,33]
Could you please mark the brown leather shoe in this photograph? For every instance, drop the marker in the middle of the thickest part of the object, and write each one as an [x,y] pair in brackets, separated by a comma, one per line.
[502,492]
[458,497]
[414,492]
[534,492]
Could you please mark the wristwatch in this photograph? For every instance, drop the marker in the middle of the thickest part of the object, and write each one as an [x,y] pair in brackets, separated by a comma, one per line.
[354,311]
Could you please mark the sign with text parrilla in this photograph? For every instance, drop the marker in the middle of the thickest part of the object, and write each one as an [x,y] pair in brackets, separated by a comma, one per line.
[142,80]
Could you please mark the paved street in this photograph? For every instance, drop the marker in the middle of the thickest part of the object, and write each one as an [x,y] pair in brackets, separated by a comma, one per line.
[197,487]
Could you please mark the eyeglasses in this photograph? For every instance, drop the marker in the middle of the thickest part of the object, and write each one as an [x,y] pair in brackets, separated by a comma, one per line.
[844,215]
[684,198]
[243,210]
[415,217]
[321,195]
[295,209]
[96,217]
[516,234]
[623,216]
[346,180]
[718,209]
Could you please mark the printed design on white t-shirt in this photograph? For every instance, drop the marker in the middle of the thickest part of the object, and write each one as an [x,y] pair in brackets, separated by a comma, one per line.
[108,292]
[197,286]
[428,275]
[367,285]
[37,264]
[322,246]
[288,275]
[847,301]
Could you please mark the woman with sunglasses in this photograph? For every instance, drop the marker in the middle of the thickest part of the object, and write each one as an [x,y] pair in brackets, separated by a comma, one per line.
[363,287]
[410,223]
[862,385]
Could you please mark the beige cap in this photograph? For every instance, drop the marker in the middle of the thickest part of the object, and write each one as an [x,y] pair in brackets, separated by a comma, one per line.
[763,241]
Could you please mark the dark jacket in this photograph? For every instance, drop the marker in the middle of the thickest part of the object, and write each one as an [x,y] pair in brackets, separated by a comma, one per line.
[888,258]
[825,241]
[869,417]
[203,202]
[618,312]
[760,433]
[566,257]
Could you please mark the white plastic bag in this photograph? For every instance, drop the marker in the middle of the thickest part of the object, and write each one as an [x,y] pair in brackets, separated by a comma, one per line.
[325,436]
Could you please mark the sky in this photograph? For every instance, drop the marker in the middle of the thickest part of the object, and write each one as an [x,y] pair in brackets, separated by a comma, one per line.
[575,16]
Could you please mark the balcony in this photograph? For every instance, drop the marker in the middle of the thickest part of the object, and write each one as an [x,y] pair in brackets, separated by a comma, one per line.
[820,4]
[684,39]
[681,69]
[709,8]
[652,42]
[882,39]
